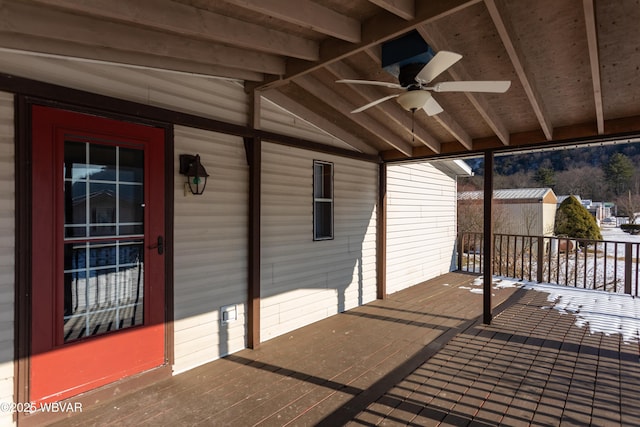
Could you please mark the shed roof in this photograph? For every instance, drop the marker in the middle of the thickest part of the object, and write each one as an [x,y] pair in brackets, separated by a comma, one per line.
[523,194]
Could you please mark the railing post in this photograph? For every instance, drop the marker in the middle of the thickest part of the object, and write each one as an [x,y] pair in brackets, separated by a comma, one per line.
[540,266]
[460,250]
[487,273]
[628,258]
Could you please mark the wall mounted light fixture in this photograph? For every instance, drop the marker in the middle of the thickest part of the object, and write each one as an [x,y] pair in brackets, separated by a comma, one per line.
[196,173]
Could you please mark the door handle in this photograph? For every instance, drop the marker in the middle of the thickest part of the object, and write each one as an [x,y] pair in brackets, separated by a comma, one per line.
[158,245]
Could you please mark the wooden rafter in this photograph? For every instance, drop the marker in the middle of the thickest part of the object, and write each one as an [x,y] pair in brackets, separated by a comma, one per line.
[435,39]
[189,21]
[454,128]
[322,91]
[82,53]
[29,20]
[323,123]
[307,14]
[503,26]
[375,31]
[592,40]
[405,9]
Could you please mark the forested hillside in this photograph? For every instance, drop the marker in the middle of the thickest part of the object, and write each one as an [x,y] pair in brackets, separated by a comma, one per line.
[603,173]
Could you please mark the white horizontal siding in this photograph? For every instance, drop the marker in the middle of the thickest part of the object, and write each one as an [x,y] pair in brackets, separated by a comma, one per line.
[303,281]
[210,250]
[7,224]
[421,224]
[211,230]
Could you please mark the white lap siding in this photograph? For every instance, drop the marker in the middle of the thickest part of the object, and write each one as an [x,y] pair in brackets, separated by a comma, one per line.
[7,221]
[421,224]
[210,250]
[303,280]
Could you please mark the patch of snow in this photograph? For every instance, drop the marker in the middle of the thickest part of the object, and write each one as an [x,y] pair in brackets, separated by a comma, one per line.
[605,312]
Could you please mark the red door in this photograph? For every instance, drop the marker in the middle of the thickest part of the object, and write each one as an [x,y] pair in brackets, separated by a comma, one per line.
[98,264]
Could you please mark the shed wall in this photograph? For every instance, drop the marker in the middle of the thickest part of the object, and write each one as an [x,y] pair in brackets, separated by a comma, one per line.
[421,224]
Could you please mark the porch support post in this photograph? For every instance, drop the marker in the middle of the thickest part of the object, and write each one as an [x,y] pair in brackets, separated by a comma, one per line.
[253,150]
[487,268]
[381,246]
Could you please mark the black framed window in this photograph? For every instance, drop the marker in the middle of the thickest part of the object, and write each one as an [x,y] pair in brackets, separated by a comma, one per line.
[322,200]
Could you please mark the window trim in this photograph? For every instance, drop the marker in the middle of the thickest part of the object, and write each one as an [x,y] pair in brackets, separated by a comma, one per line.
[323,200]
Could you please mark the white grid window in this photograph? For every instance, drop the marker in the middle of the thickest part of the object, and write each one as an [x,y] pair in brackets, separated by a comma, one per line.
[322,200]
[103,239]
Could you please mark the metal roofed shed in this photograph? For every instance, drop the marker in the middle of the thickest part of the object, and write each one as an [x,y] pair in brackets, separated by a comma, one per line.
[524,211]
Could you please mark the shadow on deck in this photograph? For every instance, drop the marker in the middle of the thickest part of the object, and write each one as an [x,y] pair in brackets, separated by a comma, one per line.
[420,357]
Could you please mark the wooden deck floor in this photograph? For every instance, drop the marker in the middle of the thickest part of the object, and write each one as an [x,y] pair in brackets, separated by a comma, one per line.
[419,358]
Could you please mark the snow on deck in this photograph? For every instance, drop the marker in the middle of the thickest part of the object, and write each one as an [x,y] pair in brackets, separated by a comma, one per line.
[605,312]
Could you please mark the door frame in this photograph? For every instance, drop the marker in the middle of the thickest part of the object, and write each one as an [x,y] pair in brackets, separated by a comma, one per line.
[23,247]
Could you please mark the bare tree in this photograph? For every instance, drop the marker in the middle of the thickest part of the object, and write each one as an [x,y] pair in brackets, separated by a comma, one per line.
[629,206]
[586,181]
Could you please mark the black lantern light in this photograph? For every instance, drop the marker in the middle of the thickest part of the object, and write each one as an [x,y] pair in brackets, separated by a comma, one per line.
[196,173]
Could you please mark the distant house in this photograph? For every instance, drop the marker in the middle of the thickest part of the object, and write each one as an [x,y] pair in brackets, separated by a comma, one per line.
[522,211]
[599,210]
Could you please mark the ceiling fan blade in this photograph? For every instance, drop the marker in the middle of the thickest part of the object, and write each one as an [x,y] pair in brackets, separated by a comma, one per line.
[373,103]
[472,86]
[370,82]
[431,107]
[438,64]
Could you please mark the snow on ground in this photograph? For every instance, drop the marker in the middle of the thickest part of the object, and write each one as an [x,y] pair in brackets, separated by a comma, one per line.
[617,235]
[605,312]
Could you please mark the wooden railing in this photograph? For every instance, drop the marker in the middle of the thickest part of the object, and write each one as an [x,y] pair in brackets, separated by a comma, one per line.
[590,264]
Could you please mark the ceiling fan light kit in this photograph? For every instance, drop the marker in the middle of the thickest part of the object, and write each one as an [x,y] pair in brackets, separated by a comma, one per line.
[414,99]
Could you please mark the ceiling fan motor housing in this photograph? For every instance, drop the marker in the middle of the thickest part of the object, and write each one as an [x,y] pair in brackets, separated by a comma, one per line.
[408,73]
[409,50]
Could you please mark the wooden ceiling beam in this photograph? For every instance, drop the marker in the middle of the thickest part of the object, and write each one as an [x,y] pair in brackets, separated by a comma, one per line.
[366,94]
[189,21]
[437,41]
[594,60]
[33,20]
[454,128]
[623,130]
[378,29]
[517,56]
[321,91]
[294,107]
[307,14]
[405,9]
[74,52]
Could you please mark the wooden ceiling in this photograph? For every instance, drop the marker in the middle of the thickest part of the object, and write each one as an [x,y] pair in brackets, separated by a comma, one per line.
[574,65]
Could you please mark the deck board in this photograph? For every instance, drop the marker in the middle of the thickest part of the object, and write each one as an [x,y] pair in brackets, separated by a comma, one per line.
[421,357]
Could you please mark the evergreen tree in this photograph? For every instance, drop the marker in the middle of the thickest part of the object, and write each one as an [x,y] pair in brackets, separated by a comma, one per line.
[618,172]
[545,177]
[574,220]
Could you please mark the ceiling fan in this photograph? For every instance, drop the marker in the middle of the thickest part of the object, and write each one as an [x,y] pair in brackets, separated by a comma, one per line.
[414,80]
